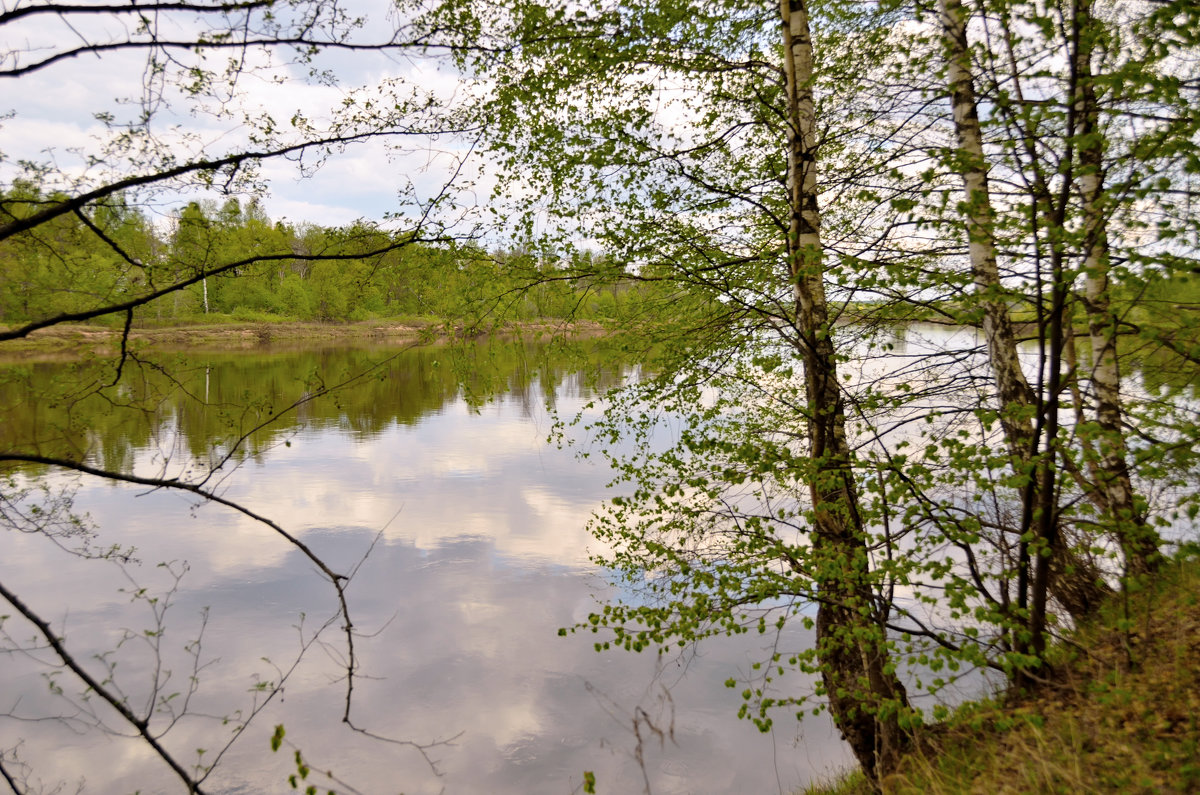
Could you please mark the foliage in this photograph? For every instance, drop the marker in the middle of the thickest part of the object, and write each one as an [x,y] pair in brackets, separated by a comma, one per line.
[287,272]
[1120,719]
[776,190]
[962,165]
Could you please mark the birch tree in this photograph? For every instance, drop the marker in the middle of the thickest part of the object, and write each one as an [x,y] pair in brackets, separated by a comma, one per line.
[1076,583]
[789,197]
[1072,139]
[852,651]
[687,141]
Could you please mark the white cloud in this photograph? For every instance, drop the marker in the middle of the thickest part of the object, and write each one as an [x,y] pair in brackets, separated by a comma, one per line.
[53,114]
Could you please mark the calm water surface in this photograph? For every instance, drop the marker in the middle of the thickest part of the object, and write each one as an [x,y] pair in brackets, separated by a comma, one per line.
[433,476]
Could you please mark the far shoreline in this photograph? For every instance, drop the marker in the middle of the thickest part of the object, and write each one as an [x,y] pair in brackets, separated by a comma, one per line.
[76,339]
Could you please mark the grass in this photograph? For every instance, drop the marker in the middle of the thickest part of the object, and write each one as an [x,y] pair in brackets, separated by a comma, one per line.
[1122,717]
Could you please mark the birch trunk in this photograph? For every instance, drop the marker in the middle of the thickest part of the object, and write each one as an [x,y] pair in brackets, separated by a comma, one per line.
[1013,388]
[865,699]
[1139,543]
[1076,583]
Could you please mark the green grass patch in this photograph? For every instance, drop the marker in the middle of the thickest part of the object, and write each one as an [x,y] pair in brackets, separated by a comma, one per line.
[1123,714]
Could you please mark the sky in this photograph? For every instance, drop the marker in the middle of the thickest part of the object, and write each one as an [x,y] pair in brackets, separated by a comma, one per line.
[49,116]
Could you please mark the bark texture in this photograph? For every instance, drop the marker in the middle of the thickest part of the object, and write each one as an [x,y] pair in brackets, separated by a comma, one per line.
[865,698]
[1013,388]
[1110,471]
[1073,580]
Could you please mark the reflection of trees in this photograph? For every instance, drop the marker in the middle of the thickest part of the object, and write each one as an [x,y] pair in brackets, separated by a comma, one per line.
[182,421]
[204,407]
[1161,368]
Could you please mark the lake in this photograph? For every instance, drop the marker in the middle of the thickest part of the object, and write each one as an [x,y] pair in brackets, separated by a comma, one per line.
[429,476]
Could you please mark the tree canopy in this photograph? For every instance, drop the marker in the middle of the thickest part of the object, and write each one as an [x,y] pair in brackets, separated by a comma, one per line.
[812,184]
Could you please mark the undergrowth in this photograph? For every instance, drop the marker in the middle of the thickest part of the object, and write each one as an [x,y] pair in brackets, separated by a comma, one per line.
[1122,715]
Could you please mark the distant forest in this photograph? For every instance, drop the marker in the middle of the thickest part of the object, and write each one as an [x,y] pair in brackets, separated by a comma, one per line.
[302,272]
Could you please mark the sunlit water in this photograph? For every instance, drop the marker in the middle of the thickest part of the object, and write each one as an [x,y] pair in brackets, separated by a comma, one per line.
[467,535]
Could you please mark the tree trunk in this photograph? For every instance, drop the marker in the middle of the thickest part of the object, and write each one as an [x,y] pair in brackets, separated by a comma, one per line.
[1073,580]
[865,699]
[1139,543]
[1014,392]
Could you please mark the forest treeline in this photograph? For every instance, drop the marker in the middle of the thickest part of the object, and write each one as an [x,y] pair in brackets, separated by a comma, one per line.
[114,251]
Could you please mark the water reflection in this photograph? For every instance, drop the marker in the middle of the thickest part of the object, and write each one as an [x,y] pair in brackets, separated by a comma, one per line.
[470,533]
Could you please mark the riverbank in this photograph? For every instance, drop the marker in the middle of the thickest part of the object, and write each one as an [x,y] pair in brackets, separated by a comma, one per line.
[80,338]
[1123,717]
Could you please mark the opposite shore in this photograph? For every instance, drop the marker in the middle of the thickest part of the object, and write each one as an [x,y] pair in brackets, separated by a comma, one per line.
[76,338]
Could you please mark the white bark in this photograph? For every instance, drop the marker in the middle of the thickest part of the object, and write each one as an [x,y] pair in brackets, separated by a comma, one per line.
[1011,385]
[864,698]
[1075,584]
[1138,541]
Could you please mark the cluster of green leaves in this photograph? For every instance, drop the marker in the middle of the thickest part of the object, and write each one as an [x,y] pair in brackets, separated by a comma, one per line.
[659,129]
